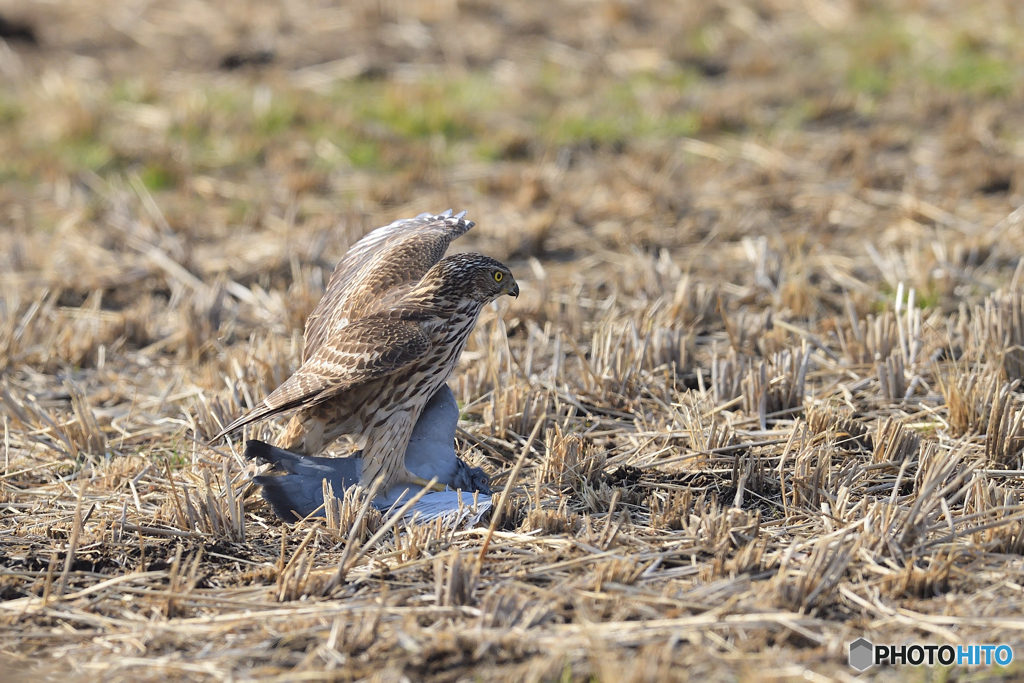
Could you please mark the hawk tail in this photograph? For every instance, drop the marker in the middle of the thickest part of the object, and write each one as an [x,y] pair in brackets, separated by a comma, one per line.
[258,413]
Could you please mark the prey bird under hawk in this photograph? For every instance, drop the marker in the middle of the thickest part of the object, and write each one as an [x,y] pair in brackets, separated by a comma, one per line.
[383,340]
[294,485]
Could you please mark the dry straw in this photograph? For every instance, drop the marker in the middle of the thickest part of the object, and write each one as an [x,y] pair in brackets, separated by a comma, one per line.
[646,492]
[761,393]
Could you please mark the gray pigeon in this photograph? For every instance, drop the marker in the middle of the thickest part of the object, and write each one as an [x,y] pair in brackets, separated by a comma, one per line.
[431,453]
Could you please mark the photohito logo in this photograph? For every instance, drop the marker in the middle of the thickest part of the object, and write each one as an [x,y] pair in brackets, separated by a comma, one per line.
[865,654]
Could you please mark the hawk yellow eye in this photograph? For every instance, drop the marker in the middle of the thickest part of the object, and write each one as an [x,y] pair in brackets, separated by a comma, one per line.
[498,275]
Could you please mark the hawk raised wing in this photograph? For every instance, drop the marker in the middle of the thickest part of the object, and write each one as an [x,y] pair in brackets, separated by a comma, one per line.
[377,269]
[368,349]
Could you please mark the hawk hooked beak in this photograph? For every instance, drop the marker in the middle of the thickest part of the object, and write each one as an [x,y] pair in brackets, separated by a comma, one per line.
[514,290]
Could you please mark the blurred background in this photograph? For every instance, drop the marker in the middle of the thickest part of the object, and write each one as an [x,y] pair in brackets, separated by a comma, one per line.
[265,132]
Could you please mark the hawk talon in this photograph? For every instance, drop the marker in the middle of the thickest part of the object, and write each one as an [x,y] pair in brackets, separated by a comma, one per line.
[425,483]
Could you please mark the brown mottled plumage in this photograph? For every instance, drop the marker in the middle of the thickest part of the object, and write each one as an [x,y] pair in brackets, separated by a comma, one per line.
[386,336]
[380,267]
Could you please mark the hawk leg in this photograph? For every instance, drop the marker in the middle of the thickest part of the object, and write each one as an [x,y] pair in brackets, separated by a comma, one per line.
[312,430]
[386,441]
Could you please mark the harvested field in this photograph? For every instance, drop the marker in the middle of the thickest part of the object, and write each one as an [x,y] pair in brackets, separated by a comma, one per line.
[761,394]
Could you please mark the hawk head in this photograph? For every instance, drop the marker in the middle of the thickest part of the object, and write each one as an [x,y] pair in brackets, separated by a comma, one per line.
[471,276]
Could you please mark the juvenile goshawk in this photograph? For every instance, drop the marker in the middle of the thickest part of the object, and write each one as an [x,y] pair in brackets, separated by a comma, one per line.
[385,337]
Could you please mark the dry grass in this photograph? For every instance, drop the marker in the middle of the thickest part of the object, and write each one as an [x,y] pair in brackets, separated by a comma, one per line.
[760,395]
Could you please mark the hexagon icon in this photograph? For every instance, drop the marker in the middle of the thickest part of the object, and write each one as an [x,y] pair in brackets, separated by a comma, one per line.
[861,654]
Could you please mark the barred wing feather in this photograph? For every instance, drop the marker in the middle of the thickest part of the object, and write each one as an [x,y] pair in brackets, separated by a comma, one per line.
[378,269]
[366,350]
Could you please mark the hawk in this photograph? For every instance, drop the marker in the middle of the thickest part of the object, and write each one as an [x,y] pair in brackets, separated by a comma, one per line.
[383,340]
